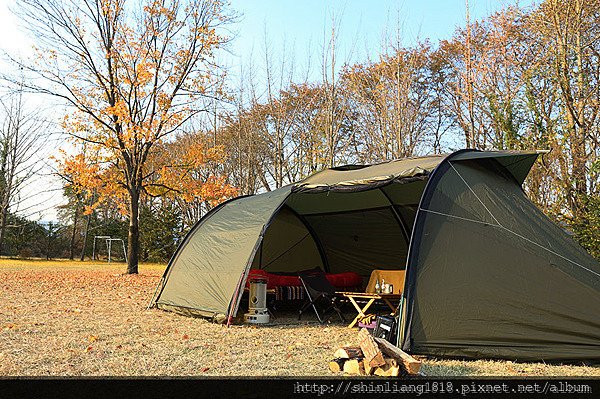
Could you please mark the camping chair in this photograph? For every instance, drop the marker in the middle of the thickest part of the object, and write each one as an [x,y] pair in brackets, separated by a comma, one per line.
[318,288]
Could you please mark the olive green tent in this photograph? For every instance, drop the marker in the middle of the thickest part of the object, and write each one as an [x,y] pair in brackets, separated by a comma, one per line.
[487,274]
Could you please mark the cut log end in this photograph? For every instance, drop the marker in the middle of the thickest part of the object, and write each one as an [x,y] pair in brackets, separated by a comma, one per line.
[337,365]
[348,359]
[354,366]
[348,352]
[389,369]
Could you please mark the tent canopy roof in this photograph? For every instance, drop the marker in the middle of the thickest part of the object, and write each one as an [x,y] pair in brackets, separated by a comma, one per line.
[364,177]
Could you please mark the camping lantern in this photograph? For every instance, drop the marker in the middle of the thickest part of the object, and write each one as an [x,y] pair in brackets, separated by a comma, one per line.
[257,302]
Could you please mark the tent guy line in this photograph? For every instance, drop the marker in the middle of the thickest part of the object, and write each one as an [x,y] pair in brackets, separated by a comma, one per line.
[458,217]
[509,230]
[476,196]
[551,251]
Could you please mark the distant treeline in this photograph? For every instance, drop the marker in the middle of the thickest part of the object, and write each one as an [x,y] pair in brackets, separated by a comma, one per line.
[51,240]
[523,78]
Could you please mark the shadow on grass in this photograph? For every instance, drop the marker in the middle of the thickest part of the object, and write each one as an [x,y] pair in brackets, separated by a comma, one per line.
[286,314]
[436,367]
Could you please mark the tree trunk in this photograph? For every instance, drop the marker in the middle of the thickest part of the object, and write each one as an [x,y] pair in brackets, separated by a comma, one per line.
[578,176]
[133,238]
[87,229]
[49,241]
[85,236]
[74,233]
[4,215]
[579,139]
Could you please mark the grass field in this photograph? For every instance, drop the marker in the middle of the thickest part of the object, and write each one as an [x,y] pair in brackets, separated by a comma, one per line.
[62,318]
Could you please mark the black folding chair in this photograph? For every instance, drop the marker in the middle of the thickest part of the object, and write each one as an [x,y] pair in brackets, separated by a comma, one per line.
[318,290]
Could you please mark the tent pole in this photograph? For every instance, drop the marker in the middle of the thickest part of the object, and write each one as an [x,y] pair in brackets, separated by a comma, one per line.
[239,291]
[237,296]
[398,217]
[151,303]
[315,238]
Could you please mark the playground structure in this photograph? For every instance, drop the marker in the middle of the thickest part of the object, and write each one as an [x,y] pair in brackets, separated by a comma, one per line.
[109,240]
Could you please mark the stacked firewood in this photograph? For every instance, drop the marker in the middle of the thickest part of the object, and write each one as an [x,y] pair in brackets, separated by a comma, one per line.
[373,356]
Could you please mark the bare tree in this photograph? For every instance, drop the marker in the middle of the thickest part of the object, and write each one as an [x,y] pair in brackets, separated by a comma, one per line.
[334,109]
[22,134]
[570,32]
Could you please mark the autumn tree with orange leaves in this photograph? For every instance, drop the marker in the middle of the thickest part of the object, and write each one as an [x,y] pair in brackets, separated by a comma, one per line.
[185,174]
[132,75]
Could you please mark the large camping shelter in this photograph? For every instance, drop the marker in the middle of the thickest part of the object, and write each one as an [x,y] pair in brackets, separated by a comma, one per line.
[487,273]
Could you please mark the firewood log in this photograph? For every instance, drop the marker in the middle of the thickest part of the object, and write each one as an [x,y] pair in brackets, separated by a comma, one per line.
[389,369]
[337,365]
[371,351]
[354,366]
[409,363]
[348,352]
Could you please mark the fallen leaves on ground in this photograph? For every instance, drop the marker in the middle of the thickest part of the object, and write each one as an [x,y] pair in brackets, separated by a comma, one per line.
[82,319]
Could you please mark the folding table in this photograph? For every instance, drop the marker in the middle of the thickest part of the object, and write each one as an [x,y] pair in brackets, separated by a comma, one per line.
[391,300]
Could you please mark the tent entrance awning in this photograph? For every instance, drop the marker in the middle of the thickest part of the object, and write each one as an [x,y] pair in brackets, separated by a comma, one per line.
[342,231]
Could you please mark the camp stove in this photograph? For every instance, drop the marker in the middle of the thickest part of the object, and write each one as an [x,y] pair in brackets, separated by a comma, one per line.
[257,302]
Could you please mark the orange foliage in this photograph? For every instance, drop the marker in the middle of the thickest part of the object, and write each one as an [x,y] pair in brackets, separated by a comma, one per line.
[95,184]
[186,168]
[189,168]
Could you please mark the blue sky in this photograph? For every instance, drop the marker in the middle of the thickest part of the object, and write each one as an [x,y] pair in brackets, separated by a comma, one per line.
[301,25]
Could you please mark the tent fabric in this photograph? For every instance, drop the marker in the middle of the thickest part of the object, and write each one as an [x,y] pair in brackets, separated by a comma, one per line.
[359,241]
[288,245]
[512,283]
[214,256]
[361,177]
[357,178]
[334,202]
[517,163]
[488,275]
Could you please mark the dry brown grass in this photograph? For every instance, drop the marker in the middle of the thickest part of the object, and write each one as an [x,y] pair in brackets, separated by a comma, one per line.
[87,319]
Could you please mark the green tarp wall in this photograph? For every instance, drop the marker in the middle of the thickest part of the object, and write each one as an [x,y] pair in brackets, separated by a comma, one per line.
[490,276]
